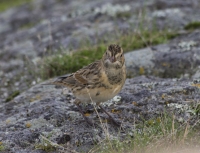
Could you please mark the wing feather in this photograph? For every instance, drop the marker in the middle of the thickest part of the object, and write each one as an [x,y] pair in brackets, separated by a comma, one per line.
[85,76]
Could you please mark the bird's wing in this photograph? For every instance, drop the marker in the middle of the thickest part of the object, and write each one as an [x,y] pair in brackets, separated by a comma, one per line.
[85,76]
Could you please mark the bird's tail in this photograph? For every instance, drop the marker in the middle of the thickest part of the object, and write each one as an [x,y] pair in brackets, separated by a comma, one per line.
[57,81]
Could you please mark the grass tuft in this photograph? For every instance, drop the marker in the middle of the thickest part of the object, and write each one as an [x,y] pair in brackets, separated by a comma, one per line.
[156,135]
[192,25]
[45,147]
[66,63]
[12,96]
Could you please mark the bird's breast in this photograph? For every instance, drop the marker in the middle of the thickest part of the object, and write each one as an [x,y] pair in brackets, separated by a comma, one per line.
[98,95]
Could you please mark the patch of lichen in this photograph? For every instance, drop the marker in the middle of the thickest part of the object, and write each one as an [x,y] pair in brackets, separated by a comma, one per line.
[6,4]
[66,63]
[45,144]
[141,71]
[192,25]
[12,96]
[2,148]
[45,147]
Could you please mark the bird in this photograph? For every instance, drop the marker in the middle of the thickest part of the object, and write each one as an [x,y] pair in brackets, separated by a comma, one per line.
[98,82]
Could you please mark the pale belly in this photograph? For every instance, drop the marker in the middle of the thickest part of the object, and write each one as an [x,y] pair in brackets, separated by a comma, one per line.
[97,95]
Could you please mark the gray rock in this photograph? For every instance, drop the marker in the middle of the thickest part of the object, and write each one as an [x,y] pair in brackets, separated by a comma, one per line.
[45,110]
[197,74]
[180,56]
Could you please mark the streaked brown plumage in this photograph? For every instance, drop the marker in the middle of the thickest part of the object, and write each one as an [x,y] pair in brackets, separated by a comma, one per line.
[99,81]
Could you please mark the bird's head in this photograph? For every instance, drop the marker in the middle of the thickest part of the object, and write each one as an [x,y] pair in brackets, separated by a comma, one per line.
[113,57]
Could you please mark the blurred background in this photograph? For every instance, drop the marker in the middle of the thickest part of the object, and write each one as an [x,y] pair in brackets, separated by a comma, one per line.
[40,39]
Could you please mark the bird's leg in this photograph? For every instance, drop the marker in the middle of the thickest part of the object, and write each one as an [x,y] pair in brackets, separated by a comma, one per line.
[113,120]
[77,102]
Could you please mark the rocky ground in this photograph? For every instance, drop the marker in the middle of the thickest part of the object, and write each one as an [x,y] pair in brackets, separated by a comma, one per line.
[40,28]
[44,110]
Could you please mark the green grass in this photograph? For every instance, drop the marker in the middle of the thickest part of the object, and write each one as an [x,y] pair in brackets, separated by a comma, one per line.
[6,4]
[154,136]
[192,25]
[47,147]
[45,144]
[66,63]
[12,96]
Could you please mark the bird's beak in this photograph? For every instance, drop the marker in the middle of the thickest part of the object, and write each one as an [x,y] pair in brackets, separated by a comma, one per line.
[112,59]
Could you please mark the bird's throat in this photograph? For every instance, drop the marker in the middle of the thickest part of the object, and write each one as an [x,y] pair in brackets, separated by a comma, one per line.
[114,76]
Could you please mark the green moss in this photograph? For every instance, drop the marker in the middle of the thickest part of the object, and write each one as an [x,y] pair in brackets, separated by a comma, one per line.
[27,25]
[67,63]
[123,15]
[192,26]
[2,148]
[45,147]
[6,4]
[12,96]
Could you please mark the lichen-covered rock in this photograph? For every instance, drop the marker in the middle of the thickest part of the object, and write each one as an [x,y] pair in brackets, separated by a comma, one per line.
[44,110]
[179,57]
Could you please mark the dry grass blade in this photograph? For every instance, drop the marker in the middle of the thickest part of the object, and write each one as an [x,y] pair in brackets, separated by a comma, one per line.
[103,126]
[186,132]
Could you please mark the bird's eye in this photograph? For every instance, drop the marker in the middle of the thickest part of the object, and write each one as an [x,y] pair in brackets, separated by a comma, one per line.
[121,55]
